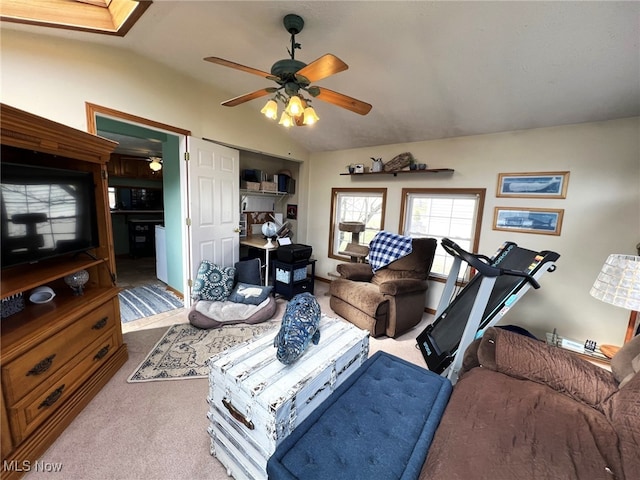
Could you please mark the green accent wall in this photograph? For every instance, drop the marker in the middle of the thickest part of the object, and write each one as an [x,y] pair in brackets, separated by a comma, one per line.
[173,221]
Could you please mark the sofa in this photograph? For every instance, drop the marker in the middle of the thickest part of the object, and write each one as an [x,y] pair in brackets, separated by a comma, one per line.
[521,409]
[390,301]
[525,409]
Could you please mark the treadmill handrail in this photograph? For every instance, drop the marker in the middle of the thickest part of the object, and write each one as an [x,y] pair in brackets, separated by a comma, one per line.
[478,262]
[475,260]
[534,283]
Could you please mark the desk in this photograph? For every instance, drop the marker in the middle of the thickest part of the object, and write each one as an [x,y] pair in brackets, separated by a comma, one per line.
[260,243]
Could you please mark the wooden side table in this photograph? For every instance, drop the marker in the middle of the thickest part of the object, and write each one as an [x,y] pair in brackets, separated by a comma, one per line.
[596,360]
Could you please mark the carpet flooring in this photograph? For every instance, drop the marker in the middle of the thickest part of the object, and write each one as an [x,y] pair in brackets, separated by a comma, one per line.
[147,300]
[158,430]
[183,350]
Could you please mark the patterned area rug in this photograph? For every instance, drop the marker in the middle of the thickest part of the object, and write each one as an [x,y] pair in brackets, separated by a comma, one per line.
[139,302]
[184,350]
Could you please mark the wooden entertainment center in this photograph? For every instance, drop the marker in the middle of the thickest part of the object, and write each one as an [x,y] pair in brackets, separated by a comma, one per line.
[55,357]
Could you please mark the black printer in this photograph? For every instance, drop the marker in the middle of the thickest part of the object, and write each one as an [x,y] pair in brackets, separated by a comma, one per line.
[296,252]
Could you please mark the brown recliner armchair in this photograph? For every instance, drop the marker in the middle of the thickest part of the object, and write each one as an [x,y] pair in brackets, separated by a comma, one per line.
[389,301]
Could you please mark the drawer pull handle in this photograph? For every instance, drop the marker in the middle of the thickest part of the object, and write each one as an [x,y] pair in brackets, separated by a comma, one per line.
[42,366]
[235,413]
[53,398]
[101,353]
[100,324]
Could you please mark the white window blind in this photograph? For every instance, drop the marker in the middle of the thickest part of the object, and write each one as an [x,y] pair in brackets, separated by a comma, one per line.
[438,214]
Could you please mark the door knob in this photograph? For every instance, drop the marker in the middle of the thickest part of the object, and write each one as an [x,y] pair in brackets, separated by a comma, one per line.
[237,230]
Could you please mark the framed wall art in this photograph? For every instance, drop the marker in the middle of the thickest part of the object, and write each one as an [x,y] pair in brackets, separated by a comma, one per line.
[546,221]
[533,185]
[292,211]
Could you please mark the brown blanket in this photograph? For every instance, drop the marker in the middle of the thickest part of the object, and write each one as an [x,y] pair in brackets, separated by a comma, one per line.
[529,410]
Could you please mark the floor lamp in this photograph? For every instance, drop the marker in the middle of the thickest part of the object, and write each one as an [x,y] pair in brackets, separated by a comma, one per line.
[618,283]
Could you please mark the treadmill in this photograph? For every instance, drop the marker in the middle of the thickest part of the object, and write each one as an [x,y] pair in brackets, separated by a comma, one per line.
[499,282]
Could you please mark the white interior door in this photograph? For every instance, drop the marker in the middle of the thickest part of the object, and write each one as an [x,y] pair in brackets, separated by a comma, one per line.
[213,177]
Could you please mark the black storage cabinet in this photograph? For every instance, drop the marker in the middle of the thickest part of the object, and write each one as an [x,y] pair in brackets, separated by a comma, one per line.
[293,278]
[142,238]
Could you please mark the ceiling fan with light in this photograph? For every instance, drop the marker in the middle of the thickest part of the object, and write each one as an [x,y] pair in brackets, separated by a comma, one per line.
[295,77]
[155,164]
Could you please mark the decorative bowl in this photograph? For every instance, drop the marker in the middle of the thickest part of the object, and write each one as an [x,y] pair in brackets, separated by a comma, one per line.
[77,281]
[42,295]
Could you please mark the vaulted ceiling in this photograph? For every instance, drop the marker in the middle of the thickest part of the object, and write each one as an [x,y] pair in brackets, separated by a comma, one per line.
[431,69]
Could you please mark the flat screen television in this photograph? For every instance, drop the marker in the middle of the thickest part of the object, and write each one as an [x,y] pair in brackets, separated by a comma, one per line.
[45,213]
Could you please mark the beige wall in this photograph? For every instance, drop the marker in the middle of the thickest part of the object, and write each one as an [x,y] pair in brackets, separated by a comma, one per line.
[601,211]
[55,77]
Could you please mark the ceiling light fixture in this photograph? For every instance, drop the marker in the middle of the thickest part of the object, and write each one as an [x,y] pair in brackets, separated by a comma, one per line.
[156,164]
[297,111]
[294,78]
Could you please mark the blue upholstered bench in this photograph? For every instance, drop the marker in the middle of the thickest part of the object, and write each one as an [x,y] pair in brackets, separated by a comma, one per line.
[379,424]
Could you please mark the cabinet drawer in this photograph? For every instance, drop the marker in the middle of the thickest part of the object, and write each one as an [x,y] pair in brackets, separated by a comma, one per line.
[303,286]
[27,414]
[292,289]
[22,375]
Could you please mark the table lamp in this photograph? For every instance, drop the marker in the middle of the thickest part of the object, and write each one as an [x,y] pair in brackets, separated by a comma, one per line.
[618,283]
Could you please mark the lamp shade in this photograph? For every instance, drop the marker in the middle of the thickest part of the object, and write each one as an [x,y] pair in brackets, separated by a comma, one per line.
[310,116]
[619,282]
[285,120]
[294,108]
[270,110]
[156,164]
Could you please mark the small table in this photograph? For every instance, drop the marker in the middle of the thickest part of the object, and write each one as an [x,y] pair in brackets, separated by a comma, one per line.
[601,362]
[597,358]
[292,278]
[261,243]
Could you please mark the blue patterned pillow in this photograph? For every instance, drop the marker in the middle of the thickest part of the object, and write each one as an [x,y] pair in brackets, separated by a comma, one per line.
[213,282]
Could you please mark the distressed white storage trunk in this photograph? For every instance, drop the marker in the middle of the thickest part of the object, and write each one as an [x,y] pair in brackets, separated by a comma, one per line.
[255,401]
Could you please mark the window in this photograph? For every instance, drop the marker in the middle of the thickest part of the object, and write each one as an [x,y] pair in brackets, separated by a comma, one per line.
[437,213]
[364,205]
[112,197]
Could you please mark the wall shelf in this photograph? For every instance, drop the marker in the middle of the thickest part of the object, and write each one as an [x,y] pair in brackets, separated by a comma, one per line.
[277,196]
[261,193]
[412,172]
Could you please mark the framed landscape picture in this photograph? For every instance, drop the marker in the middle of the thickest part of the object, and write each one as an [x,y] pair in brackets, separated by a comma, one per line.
[533,185]
[546,221]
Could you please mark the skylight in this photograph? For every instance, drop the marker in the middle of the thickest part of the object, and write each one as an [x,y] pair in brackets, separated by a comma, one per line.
[109,17]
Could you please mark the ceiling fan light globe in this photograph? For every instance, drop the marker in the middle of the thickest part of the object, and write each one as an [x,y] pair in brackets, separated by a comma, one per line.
[155,164]
[310,116]
[294,107]
[270,110]
[285,120]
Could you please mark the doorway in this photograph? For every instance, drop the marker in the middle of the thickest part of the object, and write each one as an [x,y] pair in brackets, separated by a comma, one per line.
[136,213]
